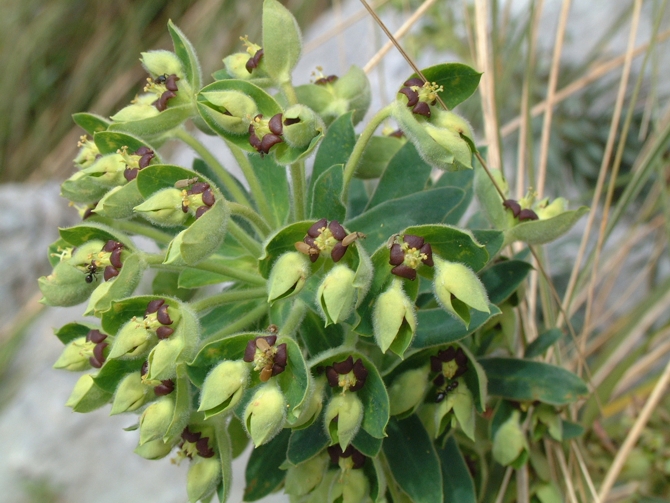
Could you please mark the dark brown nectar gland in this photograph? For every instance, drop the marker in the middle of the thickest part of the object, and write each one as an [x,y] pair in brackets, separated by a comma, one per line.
[406,255]
[199,196]
[420,95]
[267,358]
[347,374]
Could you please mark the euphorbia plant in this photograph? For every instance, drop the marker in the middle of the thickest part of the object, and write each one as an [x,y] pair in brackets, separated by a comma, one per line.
[349,333]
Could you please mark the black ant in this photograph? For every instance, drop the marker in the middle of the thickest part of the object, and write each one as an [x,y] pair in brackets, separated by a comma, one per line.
[442,393]
[92,270]
[161,79]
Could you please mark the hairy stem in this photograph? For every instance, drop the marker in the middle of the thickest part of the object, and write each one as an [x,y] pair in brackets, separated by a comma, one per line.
[226,178]
[298,183]
[294,319]
[250,215]
[254,183]
[289,91]
[137,228]
[241,323]
[249,243]
[359,148]
[228,297]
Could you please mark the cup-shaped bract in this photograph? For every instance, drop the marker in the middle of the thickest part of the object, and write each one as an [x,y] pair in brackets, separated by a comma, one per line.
[343,417]
[288,276]
[223,387]
[336,294]
[156,419]
[458,289]
[163,208]
[203,476]
[265,413]
[408,390]
[394,319]
[130,394]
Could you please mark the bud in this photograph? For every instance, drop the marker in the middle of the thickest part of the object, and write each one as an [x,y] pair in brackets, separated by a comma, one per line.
[163,358]
[300,126]
[336,294]
[142,107]
[76,355]
[203,477]
[81,188]
[231,110]
[265,413]
[408,390]
[343,417]
[162,62]
[458,289]
[509,442]
[301,479]
[164,208]
[87,396]
[545,210]
[154,449]
[107,171]
[352,487]
[156,419]
[288,276]
[131,394]
[394,319]
[448,130]
[132,340]
[65,286]
[309,410]
[223,387]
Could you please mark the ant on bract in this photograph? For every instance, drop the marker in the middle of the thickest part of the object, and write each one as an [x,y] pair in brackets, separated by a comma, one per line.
[442,393]
[92,272]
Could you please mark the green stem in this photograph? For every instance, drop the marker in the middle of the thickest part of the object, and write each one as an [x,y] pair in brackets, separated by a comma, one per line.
[254,184]
[137,228]
[212,264]
[359,148]
[226,178]
[232,272]
[228,297]
[294,319]
[289,91]
[254,218]
[238,325]
[298,182]
[249,243]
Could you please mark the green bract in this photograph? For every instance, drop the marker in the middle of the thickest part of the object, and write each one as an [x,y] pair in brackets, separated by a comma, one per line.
[330,317]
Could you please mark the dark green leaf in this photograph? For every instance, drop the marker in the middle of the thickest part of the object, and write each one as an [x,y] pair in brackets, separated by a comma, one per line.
[108,142]
[459,81]
[462,179]
[450,243]
[376,156]
[524,380]
[113,371]
[274,184]
[238,436]
[91,123]
[502,279]
[307,443]
[390,217]
[413,461]
[186,53]
[152,126]
[83,233]
[436,326]
[295,380]
[74,330]
[537,232]
[263,474]
[336,148]
[543,342]
[367,444]
[162,176]
[167,283]
[326,202]
[358,198]
[405,174]
[318,338]
[571,430]
[492,240]
[458,484]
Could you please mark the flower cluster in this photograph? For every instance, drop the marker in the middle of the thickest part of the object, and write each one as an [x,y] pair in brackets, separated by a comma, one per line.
[97,338]
[165,87]
[420,95]
[271,360]
[324,237]
[347,374]
[198,196]
[408,254]
[158,308]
